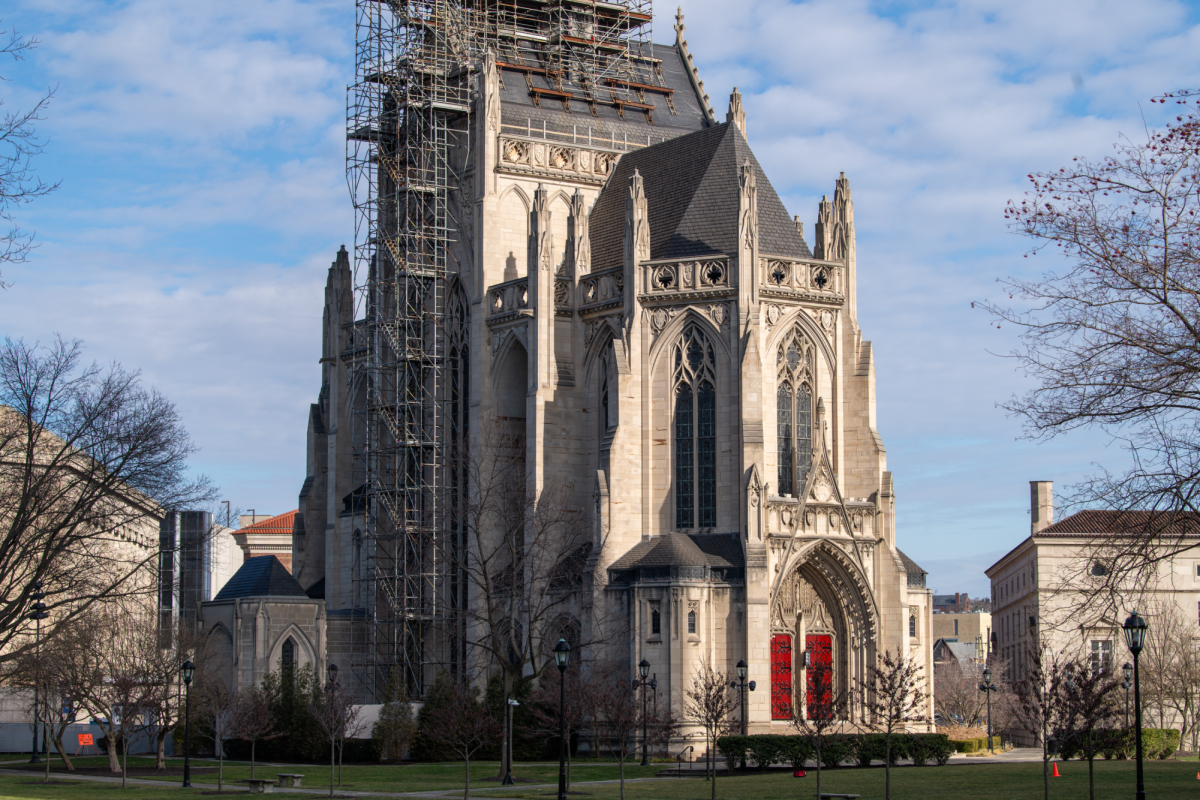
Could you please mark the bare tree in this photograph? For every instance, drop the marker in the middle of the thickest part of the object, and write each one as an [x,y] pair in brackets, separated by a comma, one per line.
[621,708]
[218,701]
[19,144]
[823,710]
[1091,706]
[463,724]
[337,718]
[711,703]
[544,706]
[253,720]
[89,460]
[1112,338]
[162,649]
[893,694]
[1042,705]
[522,558]
[956,693]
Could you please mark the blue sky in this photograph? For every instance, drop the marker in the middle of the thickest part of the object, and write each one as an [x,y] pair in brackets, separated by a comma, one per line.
[200,148]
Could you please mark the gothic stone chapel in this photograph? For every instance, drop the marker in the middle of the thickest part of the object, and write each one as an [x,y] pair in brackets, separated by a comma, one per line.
[558,237]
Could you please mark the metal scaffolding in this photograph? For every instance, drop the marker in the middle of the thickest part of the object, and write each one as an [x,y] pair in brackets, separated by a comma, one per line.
[409,129]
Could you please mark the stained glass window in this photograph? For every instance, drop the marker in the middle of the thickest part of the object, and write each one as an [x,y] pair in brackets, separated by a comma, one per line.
[695,432]
[655,622]
[287,658]
[793,409]
[691,622]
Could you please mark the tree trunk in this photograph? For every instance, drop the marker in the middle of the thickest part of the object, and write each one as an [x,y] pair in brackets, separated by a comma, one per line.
[341,753]
[713,739]
[253,742]
[887,766]
[220,743]
[818,767]
[114,762]
[568,762]
[62,751]
[467,785]
[622,759]
[161,749]
[124,759]
[332,762]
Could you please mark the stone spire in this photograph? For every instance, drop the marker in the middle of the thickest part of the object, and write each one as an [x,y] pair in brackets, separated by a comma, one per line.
[736,114]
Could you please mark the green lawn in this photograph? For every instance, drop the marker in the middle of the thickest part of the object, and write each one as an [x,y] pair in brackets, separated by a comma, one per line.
[405,778]
[1114,779]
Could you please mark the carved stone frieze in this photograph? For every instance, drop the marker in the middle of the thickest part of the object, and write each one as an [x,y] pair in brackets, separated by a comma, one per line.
[685,281]
[524,156]
[796,280]
[602,290]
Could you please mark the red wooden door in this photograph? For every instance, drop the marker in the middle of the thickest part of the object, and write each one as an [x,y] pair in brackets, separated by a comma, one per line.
[819,675]
[781,676]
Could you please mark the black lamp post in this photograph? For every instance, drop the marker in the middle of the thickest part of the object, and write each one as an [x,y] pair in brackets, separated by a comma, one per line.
[562,654]
[188,669]
[1135,637]
[1127,684]
[39,613]
[508,729]
[330,687]
[741,671]
[644,672]
[987,686]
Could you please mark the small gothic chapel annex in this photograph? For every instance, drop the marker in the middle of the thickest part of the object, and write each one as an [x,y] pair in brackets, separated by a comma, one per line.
[620,284]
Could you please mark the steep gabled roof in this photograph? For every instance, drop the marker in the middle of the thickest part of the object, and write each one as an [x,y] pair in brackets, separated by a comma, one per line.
[261,576]
[692,196]
[910,566]
[281,524]
[717,550]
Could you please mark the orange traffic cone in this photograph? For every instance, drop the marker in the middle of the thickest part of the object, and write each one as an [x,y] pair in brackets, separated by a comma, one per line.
[1198,776]
[1056,775]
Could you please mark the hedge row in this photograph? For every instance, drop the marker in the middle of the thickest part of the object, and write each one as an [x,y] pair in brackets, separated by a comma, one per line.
[974,745]
[763,750]
[1120,743]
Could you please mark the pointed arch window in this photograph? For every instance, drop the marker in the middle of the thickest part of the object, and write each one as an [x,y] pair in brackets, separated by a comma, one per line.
[287,659]
[793,405]
[695,432]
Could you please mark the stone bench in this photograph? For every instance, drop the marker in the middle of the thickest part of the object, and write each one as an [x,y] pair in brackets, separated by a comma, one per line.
[289,779]
[837,796]
[261,785]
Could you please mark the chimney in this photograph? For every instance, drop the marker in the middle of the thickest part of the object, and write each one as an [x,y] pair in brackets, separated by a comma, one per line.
[1041,505]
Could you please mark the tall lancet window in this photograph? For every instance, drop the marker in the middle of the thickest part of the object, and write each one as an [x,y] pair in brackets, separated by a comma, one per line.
[793,406]
[695,432]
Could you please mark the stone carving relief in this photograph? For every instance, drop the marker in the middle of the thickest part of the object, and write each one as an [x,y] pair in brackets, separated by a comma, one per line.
[810,518]
[659,318]
[816,613]
[800,280]
[541,158]
[719,314]
[687,279]
[599,289]
[822,488]
[835,520]
[495,343]
[774,312]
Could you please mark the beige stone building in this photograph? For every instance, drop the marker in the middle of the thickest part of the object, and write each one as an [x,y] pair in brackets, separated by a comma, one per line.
[265,535]
[629,294]
[1039,588]
[974,628]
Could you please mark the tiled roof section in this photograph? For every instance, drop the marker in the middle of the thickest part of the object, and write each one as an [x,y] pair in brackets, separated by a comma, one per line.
[960,651]
[1091,522]
[723,549]
[667,550]
[692,196]
[261,576]
[281,524]
[517,109]
[910,566]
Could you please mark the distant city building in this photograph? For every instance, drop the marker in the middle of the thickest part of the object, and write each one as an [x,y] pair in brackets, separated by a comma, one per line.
[262,535]
[956,603]
[196,558]
[974,628]
[946,651]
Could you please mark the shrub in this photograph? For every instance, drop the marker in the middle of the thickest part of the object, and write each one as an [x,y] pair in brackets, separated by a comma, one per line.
[361,751]
[869,747]
[835,749]
[734,748]
[923,748]
[765,749]
[797,750]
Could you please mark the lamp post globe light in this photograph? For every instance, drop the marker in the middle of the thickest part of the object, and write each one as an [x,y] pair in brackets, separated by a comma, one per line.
[562,655]
[987,687]
[188,670]
[1135,637]
[644,671]
[1127,684]
[741,671]
[38,614]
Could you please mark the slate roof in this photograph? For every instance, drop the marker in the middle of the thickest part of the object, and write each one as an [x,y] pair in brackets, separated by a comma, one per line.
[692,196]
[959,651]
[910,566]
[723,549]
[261,576]
[517,109]
[1092,522]
[717,550]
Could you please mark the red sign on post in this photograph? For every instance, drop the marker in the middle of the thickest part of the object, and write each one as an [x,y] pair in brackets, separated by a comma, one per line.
[85,740]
